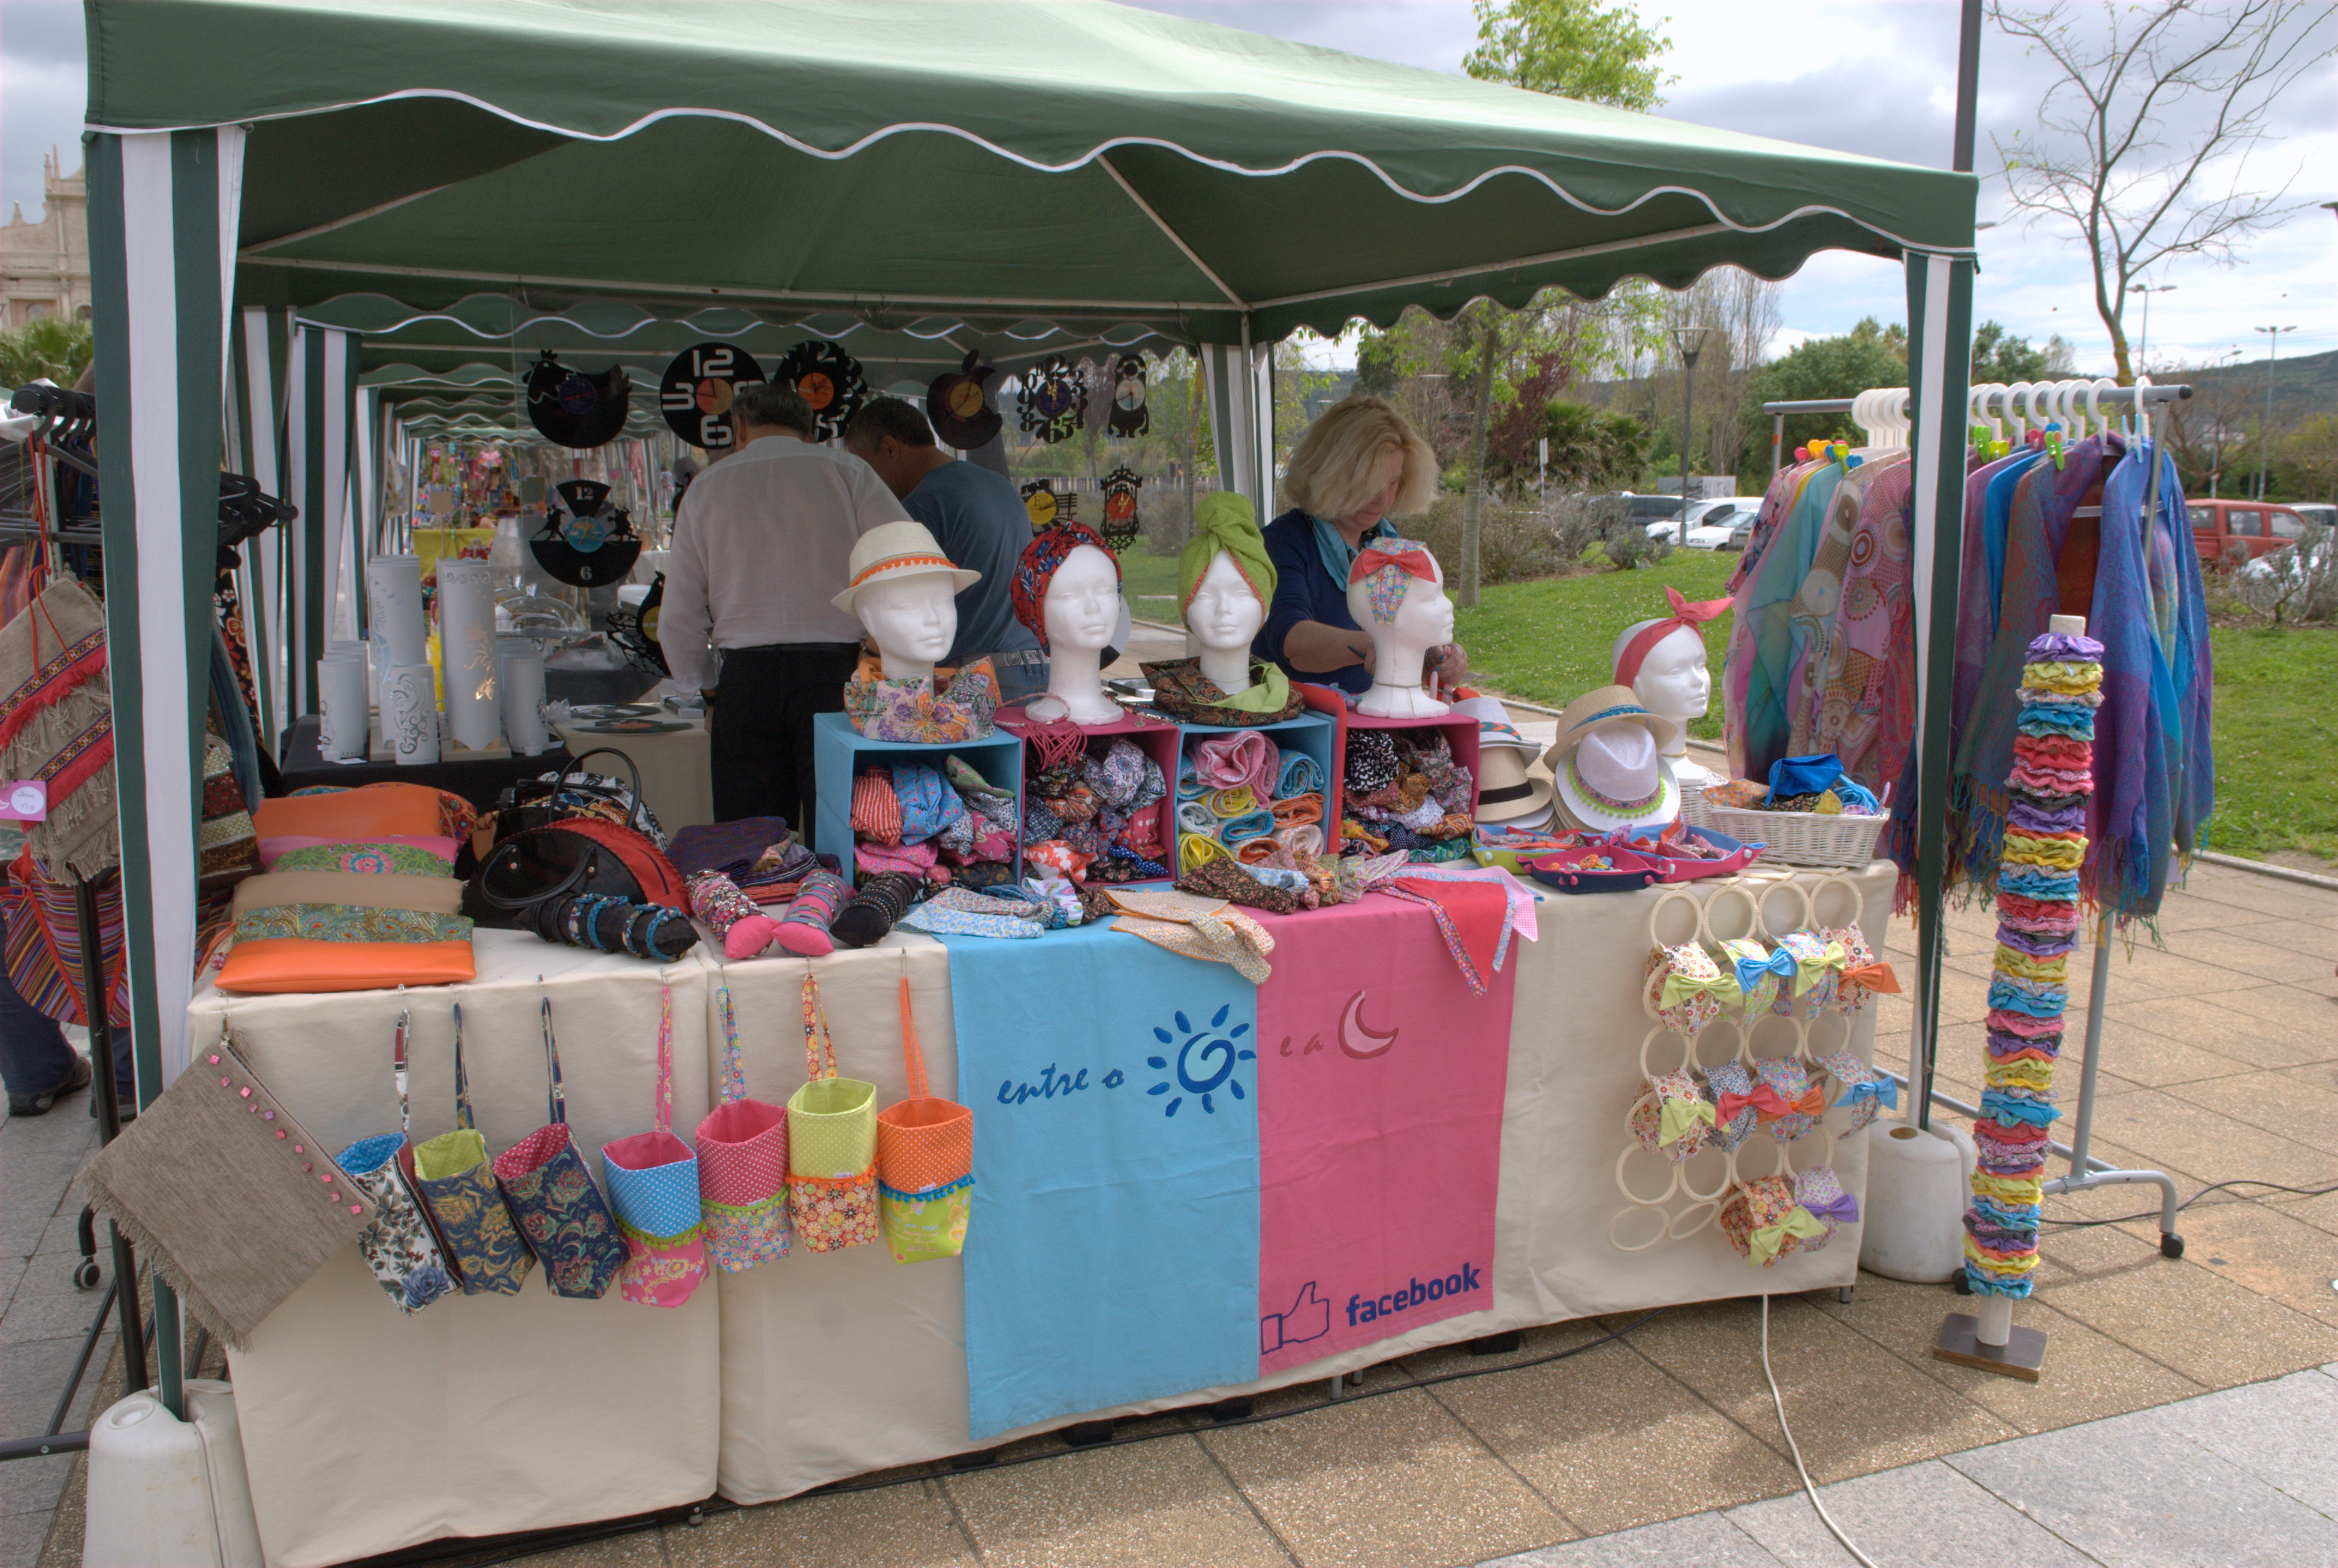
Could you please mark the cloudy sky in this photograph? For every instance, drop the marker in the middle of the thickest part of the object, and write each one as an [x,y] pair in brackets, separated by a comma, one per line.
[1873,76]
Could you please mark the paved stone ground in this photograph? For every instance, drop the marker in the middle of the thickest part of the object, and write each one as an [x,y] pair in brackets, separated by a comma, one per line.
[2220,1061]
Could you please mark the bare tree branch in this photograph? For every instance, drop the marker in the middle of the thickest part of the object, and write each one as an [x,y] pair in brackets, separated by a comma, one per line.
[2101,160]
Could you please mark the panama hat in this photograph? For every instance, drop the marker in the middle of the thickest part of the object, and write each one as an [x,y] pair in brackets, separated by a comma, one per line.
[1607,764]
[893,550]
[1507,793]
[1493,726]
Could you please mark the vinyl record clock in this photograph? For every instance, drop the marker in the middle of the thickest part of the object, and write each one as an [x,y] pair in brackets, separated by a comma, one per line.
[1054,398]
[695,395]
[1129,415]
[585,541]
[1120,487]
[828,378]
[575,409]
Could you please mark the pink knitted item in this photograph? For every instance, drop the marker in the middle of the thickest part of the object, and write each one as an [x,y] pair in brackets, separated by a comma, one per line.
[803,930]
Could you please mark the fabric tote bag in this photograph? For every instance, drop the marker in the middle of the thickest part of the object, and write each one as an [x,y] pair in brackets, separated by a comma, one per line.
[398,1246]
[562,1214]
[831,1144]
[742,1167]
[482,1247]
[925,1162]
[653,1187]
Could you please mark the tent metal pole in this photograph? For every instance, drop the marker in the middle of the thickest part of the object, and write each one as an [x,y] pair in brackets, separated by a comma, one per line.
[1174,238]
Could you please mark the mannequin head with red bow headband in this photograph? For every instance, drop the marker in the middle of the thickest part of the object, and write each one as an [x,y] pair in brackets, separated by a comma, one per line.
[1664,663]
[1396,591]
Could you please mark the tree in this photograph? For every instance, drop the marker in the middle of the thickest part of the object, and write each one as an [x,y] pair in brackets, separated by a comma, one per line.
[1593,449]
[1870,355]
[2105,161]
[1570,49]
[49,346]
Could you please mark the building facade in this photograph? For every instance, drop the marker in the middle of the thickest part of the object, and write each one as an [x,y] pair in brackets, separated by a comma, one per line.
[45,263]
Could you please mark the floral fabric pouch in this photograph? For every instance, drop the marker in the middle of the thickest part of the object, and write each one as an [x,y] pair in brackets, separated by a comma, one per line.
[1863,973]
[1861,1089]
[481,1244]
[1818,965]
[397,1245]
[1820,1194]
[1764,1221]
[831,1144]
[1757,971]
[1793,1105]
[1685,988]
[562,1214]
[1673,1117]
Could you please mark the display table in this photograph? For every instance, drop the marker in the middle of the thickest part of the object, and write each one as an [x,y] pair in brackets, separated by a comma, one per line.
[677,776]
[511,1414]
[478,779]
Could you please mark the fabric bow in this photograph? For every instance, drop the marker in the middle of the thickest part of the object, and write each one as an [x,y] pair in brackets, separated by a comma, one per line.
[1386,567]
[1843,1209]
[1810,968]
[1878,1091]
[1751,970]
[1875,977]
[1686,613]
[1679,988]
[1812,1103]
[1764,1100]
[1681,1115]
[1762,1247]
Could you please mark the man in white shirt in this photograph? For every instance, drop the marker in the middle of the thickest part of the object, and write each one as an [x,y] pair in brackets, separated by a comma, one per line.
[761,543]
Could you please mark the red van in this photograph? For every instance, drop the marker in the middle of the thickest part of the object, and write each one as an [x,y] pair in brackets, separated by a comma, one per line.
[2220,528]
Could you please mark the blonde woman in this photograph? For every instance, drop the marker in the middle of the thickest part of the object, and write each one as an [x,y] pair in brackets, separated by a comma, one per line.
[1357,466]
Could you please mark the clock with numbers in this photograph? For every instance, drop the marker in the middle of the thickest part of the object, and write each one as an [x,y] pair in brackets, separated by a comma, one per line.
[695,395]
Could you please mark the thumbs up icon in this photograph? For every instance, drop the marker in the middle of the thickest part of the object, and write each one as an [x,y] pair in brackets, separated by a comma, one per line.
[1308,1318]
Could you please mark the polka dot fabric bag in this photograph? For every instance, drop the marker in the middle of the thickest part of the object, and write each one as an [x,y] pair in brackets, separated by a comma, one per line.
[925,1162]
[654,1188]
[742,1167]
[831,1144]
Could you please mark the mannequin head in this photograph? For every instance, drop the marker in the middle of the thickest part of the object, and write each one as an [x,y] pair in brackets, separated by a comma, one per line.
[1224,614]
[913,621]
[1673,677]
[1083,603]
[1397,594]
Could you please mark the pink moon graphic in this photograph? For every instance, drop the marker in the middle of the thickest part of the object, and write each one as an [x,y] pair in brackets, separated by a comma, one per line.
[1353,1027]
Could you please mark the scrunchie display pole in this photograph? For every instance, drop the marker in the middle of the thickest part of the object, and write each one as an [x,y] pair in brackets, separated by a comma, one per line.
[2036,931]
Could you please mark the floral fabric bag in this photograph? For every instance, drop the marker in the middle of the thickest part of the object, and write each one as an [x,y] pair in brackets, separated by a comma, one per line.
[1673,1118]
[654,1188]
[562,1214]
[925,1162]
[1764,1221]
[831,1144]
[742,1167]
[398,1244]
[483,1246]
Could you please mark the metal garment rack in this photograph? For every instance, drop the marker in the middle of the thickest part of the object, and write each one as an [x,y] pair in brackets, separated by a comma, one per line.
[2037,405]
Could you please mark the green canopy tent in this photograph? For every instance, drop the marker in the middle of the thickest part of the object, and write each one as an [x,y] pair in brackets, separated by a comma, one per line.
[977,167]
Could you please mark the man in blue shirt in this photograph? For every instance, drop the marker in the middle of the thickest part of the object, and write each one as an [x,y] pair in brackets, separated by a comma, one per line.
[978,519]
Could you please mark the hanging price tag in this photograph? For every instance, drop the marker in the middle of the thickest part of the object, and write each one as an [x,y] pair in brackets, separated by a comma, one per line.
[25,800]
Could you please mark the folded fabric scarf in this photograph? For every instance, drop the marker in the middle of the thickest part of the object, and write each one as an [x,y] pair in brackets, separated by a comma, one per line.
[1243,761]
[1201,926]
[1307,839]
[1060,857]
[392,859]
[1121,863]
[1239,830]
[1196,848]
[56,726]
[1035,568]
[953,705]
[916,859]
[1226,879]
[1371,762]
[961,912]
[1297,810]
[349,923]
[712,847]
[1180,690]
[876,808]
[929,804]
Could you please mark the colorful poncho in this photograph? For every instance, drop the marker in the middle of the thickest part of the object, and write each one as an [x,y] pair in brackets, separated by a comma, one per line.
[2047,793]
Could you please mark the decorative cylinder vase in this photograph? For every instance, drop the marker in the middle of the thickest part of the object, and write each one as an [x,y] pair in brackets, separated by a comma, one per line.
[409,715]
[345,722]
[523,703]
[466,653]
[394,610]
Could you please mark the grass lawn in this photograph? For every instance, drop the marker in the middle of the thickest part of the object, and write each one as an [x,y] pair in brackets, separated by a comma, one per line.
[1151,583]
[2276,764]
[1550,641]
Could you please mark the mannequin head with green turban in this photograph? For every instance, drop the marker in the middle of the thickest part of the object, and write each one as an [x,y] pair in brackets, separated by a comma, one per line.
[1225,583]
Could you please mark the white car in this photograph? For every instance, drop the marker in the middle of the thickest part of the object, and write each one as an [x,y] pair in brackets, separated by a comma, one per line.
[1710,522]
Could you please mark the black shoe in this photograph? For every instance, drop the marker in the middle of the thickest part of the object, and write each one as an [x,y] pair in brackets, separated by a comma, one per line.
[40,1104]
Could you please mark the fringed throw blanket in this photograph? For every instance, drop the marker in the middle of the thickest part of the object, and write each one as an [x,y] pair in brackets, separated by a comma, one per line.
[56,725]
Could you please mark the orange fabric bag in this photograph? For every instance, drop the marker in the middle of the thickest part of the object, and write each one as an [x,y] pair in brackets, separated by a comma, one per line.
[272,964]
[352,814]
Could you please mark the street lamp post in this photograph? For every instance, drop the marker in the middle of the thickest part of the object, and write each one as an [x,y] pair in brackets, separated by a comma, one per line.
[1690,341]
[2143,333]
[2264,433]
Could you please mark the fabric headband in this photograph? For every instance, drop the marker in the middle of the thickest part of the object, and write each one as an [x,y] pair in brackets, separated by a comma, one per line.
[1036,569]
[1689,613]
[1225,521]
[1385,567]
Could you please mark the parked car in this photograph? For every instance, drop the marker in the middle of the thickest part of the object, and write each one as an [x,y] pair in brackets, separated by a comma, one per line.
[2254,528]
[1702,514]
[2321,512]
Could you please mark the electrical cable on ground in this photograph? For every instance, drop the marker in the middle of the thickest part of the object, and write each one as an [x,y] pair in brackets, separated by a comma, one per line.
[1795,1448]
[2235,1181]
[490,1552]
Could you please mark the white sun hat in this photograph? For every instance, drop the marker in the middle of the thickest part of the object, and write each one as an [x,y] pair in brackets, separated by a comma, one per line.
[893,550]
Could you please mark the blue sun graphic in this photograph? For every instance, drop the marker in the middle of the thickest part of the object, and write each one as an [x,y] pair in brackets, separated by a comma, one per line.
[1212,1044]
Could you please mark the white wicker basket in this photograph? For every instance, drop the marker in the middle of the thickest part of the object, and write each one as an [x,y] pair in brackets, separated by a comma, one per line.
[1798,838]
[1697,811]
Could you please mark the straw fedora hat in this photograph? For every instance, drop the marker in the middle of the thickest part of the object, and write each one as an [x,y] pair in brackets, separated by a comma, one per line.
[1493,726]
[1507,792]
[1607,765]
[893,550]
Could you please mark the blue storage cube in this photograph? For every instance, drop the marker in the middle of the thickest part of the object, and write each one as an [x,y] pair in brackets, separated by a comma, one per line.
[840,752]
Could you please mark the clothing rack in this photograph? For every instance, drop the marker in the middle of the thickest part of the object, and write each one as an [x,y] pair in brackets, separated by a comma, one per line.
[2066,403]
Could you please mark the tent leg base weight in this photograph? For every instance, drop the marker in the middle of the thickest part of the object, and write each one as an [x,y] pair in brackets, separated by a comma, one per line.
[1238,1408]
[2021,1355]
[1501,1343]
[1088,1434]
[975,1461]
